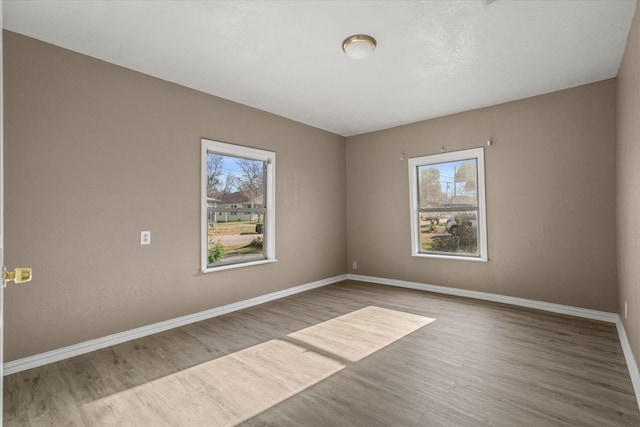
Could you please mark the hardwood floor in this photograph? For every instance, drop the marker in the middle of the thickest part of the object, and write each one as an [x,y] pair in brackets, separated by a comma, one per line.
[349,354]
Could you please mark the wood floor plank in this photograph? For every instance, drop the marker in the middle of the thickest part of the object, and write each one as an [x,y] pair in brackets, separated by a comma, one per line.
[283,364]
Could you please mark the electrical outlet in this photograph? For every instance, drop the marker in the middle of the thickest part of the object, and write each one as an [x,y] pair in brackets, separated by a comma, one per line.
[145,237]
[625,310]
[354,265]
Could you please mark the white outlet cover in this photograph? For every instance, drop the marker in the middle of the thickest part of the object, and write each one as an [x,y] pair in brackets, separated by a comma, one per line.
[145,237]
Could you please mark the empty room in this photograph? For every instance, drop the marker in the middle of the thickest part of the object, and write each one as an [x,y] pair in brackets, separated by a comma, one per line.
[320,213]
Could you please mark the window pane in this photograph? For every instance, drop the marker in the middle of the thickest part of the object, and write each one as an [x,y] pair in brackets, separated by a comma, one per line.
[450,184]
[235,180]
[449,232]
[235,240]
[235,209]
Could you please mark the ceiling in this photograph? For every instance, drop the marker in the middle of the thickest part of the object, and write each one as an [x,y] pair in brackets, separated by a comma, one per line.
[433,58]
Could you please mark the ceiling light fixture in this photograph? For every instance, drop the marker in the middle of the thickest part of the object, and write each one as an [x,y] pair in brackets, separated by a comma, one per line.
[359,46]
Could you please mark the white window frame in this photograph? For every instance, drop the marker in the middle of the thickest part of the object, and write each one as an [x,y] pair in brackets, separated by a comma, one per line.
[269,243]
[414,163]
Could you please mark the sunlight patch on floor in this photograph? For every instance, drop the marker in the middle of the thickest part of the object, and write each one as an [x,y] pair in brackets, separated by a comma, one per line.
[358,334]
[222,392]
[236,387]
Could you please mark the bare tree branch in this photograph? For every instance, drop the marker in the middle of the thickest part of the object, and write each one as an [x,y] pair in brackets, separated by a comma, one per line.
[252,177]
[214,174]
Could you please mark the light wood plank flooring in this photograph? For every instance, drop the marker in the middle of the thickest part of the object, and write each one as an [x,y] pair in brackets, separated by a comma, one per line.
[350,354]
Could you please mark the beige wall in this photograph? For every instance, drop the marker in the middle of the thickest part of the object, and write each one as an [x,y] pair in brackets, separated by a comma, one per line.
[550,183]
[96,153]
[628,185]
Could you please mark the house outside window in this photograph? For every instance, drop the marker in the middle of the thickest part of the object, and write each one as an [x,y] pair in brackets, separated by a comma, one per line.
[238,201]
[448,218]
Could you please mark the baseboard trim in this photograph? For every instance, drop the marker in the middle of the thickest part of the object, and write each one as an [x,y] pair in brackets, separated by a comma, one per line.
[522,302]
[631,361]
[604,316]
[88,346]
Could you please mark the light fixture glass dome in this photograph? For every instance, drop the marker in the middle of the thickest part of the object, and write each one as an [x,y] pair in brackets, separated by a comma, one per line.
[359,46]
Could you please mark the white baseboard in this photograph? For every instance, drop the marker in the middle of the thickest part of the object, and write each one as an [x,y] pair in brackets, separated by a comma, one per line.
[522,302]
[99,343]
[631,361]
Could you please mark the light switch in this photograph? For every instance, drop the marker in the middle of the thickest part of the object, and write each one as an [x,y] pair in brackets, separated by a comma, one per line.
[145,237]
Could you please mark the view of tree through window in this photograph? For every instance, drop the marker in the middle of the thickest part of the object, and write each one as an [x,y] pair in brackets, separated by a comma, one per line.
[449,207]
[235,209]
[448,204]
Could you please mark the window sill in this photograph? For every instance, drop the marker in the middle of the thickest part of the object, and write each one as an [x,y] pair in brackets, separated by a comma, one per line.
[238,265]
[452,257]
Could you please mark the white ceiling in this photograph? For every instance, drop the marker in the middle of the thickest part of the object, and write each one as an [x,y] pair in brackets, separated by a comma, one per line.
[433,58]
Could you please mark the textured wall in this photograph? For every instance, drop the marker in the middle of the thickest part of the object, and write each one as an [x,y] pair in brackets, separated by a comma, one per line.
[628,164]
[96,153]
[550,186]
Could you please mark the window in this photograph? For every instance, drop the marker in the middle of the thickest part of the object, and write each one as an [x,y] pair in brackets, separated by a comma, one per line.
[238,206]
[448,217]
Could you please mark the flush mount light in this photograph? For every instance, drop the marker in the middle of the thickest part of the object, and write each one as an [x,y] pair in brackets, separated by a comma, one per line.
[359,46]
